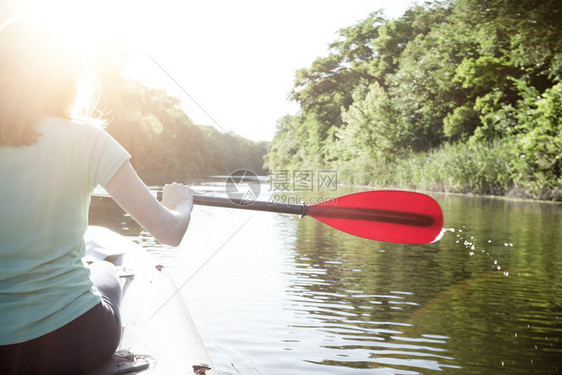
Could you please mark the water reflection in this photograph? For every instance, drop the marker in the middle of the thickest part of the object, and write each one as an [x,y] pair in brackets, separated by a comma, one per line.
[359,295]
[486,296]
[298,297]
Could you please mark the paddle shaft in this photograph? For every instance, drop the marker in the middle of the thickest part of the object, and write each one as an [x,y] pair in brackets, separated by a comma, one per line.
[203,200]
[295,209]
[350,213]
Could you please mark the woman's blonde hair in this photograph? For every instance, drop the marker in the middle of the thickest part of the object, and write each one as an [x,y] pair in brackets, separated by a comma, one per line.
[40,72]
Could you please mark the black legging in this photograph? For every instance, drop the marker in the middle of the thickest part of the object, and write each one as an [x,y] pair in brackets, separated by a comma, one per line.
[79,346]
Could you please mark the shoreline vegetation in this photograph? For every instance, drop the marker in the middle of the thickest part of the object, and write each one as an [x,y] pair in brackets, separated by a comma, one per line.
[458,96]
[456,169]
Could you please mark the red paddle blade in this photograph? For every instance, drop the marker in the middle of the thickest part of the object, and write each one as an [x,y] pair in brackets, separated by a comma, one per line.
[384,215]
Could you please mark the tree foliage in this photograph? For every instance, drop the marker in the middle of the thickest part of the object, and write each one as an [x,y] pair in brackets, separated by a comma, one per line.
[481,73]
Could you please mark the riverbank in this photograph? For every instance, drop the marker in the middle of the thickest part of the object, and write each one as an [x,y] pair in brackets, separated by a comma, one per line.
[487,170]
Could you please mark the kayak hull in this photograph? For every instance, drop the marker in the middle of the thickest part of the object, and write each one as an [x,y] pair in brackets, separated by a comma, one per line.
[157,325]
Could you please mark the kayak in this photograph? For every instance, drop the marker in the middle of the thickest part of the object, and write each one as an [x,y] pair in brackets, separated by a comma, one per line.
[159,335]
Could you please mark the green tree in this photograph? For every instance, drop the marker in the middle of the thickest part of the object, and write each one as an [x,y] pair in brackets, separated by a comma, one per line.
[449,77]
[325,88]
[373,126]
[284,147]
[539,137]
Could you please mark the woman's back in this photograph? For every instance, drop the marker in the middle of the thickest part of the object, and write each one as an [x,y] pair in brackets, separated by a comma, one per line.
[44,202]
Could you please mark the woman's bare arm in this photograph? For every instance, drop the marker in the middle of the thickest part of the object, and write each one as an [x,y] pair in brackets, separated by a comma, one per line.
[166,221]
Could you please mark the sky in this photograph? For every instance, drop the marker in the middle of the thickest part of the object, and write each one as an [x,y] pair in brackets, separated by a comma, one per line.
[231,63]
[236,60]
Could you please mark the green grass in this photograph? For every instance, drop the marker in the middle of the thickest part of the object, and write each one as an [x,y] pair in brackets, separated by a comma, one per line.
[488,169]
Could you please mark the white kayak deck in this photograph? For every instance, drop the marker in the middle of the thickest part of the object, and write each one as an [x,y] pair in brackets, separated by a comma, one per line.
[157,323]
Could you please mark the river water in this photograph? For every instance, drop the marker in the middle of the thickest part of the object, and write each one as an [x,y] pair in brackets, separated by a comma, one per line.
[277,294]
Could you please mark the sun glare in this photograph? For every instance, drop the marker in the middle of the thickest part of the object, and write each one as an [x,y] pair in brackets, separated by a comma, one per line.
[95,30]
[90,25]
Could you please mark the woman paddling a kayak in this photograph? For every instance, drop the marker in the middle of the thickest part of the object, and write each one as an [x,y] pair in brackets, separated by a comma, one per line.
[58,317]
